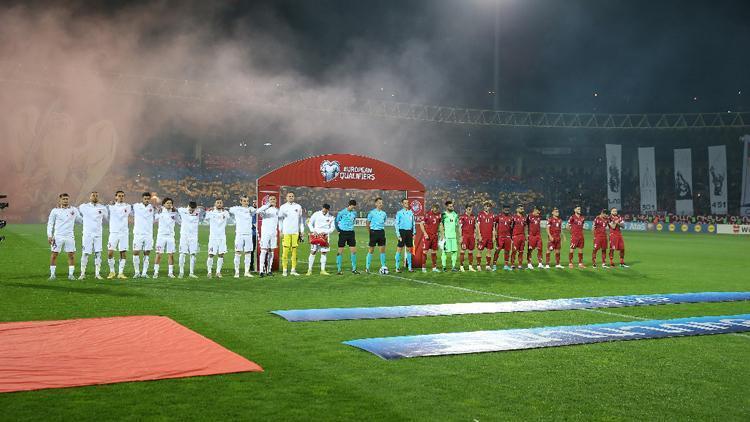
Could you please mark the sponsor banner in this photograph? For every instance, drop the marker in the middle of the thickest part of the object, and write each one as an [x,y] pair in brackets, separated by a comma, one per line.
[683,181]
[745,198]
[733,229]
[647,173]
[385,312]
[717,178]
[614,173]
[635,226]
[684,228]
[531,338]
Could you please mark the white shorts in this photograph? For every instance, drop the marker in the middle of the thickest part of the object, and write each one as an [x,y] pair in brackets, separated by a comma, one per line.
[269,241]
[92,243]
[189,246]
[118,242]
[63,243]
[244,243]
[164,244]
[143,242]
[316,248]
[217,246]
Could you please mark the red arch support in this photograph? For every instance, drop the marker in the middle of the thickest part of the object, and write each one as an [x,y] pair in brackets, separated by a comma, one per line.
[345,171]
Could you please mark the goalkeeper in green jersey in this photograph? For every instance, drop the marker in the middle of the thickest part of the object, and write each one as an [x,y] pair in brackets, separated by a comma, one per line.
[449,234]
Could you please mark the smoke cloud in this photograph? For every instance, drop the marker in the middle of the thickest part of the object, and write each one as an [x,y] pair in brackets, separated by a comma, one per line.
[67,123]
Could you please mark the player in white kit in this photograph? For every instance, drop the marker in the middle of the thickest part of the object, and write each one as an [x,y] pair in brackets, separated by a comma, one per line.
[143,234]
[93,214]
[166,219]
[217,236]
[243,240]
[269,235]
[190,219]
[60,224]
[119,218]
[321,225]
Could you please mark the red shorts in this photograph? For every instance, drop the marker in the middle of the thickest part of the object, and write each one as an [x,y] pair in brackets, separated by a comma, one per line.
[616,242]
[553,244]
[519,242]
[486,243]
[576,242]
[504,243]
[468,243]
[600,242]
[430,243]
[535,242]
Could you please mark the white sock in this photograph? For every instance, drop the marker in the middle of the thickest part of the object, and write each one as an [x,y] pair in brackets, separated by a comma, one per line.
[156,269]
[236,264]
[209,264]
[323,259]
[219,264]
[262,261]
[171,269]
[122,265]
[182,263]
[97,262]
[136,264]
[247,262]
[71,269]
[310,262]
[52,270]
[84,261]
[269,264]
[192,264]
[111,263]
[145,265]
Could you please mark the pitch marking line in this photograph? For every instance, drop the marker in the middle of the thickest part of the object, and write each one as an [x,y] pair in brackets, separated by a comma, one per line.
[481,292]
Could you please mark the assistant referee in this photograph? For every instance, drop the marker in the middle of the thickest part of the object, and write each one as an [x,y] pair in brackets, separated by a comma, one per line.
[405,229]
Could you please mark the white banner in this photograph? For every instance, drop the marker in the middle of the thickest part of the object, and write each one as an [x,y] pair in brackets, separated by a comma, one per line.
[614,173]
[717,178]
[683,181]
[745,199]
[733,229]
[647,173]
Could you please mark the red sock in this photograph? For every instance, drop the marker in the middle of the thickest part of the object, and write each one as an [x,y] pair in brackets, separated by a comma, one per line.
[528,255]
[611,257]
[570,257]
[434,259]
[489,260]
[604,256]
[461,258]
[557,258]
[506,256]
[622,256]
[540,253]
[471,257]
[593,257]
[580,257]
[497,255]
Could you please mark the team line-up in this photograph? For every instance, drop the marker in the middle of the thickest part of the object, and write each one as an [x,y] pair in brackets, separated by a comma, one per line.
[444,230]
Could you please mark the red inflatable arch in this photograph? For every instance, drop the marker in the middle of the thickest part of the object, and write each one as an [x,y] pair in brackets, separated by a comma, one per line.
[345,171]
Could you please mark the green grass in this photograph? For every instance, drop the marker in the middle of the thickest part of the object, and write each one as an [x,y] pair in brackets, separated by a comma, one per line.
[310,375]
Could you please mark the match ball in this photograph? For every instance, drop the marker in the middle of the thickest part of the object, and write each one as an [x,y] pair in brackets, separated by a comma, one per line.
[384,270]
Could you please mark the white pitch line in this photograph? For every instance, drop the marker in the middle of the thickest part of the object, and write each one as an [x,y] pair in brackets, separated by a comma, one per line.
[481,292]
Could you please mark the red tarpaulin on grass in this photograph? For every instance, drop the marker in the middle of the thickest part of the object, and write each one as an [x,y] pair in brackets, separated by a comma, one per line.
[52,354]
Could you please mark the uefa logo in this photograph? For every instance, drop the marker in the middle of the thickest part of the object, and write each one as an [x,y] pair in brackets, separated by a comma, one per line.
[416,207]
[329,170]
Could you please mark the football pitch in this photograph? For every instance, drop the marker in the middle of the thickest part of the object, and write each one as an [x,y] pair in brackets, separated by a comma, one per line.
[310,375]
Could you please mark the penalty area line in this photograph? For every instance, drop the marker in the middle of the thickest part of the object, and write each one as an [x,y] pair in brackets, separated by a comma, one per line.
[482,292]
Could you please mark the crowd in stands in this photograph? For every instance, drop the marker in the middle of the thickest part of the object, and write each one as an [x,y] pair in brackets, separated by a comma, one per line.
[229,177]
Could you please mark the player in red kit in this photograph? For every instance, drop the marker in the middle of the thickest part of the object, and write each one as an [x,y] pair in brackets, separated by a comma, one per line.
[503,225]
[468,223]
[519,238]
[534,222]
[554,231]
[601,222]
[486,239]
[429,227]
[615,238]
[575,225]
